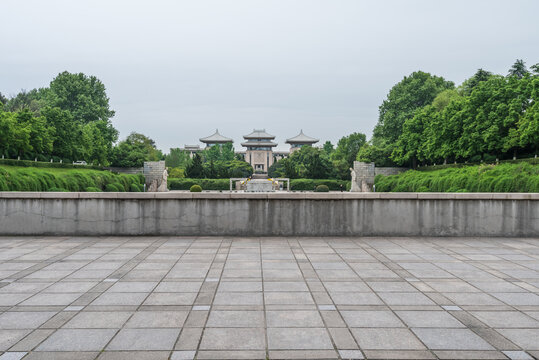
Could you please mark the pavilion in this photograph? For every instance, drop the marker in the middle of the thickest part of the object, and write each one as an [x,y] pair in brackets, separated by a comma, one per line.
[259,152]
[215,139]
[300,140]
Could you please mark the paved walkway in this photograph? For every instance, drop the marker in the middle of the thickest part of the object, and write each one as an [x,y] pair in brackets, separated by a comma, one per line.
[277,298]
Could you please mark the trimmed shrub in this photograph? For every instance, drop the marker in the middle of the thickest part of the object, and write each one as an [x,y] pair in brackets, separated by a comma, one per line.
[55,189]
[195,188]
[322,188]
[135,188]
[504,177]
[92,189]
[111,188]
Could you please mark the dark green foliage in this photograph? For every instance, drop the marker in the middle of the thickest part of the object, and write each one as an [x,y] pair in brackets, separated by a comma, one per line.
[322,188]
[134,151]
[515,177]
[307,162]
[111,188]
[311,184]
[40,164]
[93,189]
[208,184]
[195,168]
[40,179]
[195,188]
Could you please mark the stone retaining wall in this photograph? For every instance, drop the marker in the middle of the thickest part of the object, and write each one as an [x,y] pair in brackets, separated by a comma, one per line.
[270,214]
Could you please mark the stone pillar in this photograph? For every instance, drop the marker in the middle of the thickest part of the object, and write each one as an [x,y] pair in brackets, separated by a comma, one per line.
[362,177]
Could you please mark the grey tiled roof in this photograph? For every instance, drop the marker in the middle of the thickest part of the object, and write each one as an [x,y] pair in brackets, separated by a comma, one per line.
[259,134]
[302,139]
[216,138]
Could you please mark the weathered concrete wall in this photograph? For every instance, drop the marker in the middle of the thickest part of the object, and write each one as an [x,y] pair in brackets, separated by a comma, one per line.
[273,214]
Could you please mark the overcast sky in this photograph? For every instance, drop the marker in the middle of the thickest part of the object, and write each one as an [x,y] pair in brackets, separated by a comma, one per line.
[177,70]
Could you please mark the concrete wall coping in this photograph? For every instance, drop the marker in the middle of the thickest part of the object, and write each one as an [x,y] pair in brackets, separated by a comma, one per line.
[268,196]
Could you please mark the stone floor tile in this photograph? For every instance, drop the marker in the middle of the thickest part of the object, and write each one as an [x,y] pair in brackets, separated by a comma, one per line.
[271,286]
[231,355]
[24,320]
[64,355]
[238,298]
[298,339]
[451,339]
[342,338]
[302,354]
[240,286]
[346,286]
[355,298]
[9,337]
[70,286]
[134,355]
[390,286]
[517,355]
[386,339]
[525,338]
[467,354]
[516,299]
[189,339]
[285,298]
[371,319]
[144,339]
[183,355]
[351,354]
[399,354]
[77,340]
[429,319]
[233,339]
[157,319]
[232,319]
[293,319]
[120,299]
[13,355]
[170,299]
[506,319]
[98,320]
[178,286]
[132,286]
[405,298]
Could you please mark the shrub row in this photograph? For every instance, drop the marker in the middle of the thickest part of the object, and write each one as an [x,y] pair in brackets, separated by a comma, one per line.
[33,179]
[40,164]
[514,177]
[311,184]
[206,184]
[224,184]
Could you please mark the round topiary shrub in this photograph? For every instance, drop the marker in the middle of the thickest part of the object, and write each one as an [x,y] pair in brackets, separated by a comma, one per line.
[195,188]
[92,189]
[111,188]
[322,188]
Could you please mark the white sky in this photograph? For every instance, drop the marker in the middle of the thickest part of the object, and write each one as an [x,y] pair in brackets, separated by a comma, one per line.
[177,70]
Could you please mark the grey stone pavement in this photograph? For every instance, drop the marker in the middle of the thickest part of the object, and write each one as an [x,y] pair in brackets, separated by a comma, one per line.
[278,298]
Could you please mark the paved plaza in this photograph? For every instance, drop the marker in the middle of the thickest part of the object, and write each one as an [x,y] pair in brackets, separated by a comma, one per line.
[278,298]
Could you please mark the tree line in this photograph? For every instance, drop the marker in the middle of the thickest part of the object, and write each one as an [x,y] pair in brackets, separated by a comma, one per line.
[427,120]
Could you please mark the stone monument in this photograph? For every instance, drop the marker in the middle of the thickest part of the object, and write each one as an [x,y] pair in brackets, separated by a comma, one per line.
[155,175]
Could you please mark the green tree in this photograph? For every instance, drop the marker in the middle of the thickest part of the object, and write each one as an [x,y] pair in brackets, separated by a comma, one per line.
[195,169]
[328,148]
[518,69]
[134,151]
[84,96]
[177,158]
[404,99]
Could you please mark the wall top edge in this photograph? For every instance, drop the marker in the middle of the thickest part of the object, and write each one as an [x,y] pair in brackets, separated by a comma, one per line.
[269,196]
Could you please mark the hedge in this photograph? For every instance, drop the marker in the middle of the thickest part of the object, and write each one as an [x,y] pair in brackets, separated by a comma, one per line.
[505,177]
[311,184]
[206,184]
[38,179]
[224,184]
[42,164]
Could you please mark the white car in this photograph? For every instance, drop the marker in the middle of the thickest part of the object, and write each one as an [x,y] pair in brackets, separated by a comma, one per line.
[80,163]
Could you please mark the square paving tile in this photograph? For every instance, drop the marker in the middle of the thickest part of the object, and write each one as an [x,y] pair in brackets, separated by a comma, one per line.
[371,319]
[233,339]
[386,339]
[77,340]
[98,320]
[144,339]
[429,319]
[293,318]
[451,339]
[298,339]
[24,320]
[232,319]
